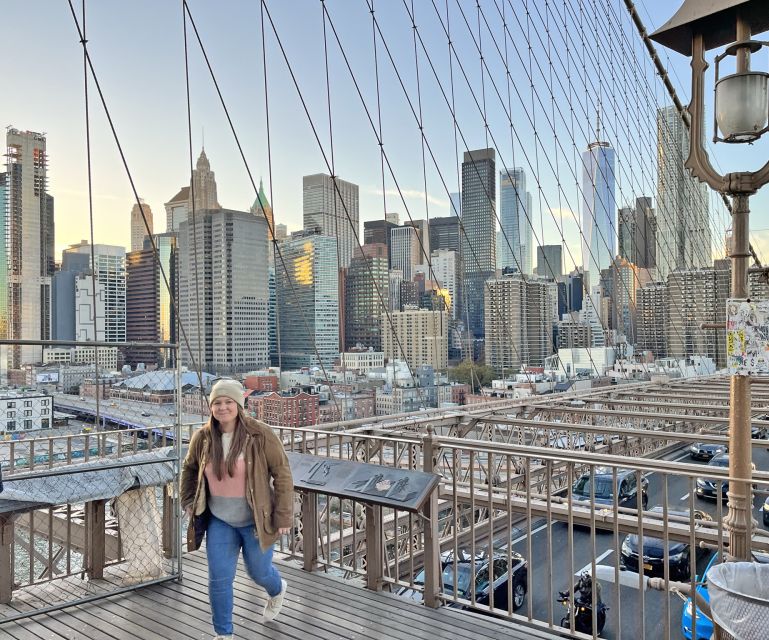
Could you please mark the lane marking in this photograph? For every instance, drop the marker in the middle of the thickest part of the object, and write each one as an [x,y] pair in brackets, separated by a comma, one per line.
[684,497]
[537,530]
[589,565]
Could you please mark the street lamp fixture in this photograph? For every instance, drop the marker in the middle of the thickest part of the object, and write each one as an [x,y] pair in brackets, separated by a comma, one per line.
[742,98]
[741,116]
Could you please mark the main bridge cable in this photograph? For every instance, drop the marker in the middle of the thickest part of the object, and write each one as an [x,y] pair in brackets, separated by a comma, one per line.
[652,50]
[271,225]
[84,42]
[521,99]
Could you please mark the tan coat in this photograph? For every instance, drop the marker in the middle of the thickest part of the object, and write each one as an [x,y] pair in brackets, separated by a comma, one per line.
[266,461]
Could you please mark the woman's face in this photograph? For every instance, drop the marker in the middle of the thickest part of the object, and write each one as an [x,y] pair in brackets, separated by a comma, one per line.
[225,410]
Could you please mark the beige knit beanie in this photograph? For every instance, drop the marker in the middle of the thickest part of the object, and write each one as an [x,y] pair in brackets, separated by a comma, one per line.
[229,389]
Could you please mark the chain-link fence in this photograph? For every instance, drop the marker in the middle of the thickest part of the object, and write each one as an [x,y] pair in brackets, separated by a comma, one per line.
[90,448]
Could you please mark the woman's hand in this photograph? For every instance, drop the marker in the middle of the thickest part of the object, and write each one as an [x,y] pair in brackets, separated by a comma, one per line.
[284,530]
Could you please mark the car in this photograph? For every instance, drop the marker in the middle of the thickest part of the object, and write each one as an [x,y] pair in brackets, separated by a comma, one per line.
[765,512]
[705,624]
[146,414]
[706,450]
[707,487]
[679,554]
[477,570]
[627,488]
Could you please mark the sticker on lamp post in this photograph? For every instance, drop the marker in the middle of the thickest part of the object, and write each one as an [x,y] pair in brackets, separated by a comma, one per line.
[747,337]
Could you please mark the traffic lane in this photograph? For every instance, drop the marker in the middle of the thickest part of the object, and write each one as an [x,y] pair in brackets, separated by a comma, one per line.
[624,603]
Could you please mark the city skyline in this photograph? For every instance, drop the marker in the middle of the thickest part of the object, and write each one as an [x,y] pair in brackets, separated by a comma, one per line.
[158,175]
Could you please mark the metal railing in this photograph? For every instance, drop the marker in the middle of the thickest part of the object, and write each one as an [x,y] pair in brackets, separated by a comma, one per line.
[521,512]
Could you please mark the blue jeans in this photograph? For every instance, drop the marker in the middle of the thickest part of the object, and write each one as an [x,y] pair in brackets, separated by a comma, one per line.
[223,545]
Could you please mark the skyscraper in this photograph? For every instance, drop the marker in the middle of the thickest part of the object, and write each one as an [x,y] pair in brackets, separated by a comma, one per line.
[331,205]
[418,336]
[203,186]
[177,209]
[367,289]
[446,278]
[637,231]
[683,224]
[150,316]
[378,232]
[694,297]
[423,237]
[224,291]
[445,233]
[405,252]
[308,300]
[514,241]
[599,242]
[26,245]
[652,320]
[455,205]
[478,243]
[109,267]
[550,261]
[138,228]
[519,327]
[261,207]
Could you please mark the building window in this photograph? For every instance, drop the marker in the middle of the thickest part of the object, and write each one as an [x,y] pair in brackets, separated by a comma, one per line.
[11,425]
[28,403]
[11,414]
[11,405]
[28,424]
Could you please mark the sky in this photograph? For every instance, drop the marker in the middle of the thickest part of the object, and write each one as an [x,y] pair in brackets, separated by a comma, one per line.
[137,50]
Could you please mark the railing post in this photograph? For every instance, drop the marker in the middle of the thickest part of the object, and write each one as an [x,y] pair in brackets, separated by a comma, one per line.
[309,529]
[432,553]
[169,522]
[6,559]
[373,547]
[95,534]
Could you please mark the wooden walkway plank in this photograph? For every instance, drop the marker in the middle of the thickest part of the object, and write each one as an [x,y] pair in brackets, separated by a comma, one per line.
[317,607]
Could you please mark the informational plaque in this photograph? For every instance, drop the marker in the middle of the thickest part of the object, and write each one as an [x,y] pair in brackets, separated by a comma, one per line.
[377,484]
[747,336]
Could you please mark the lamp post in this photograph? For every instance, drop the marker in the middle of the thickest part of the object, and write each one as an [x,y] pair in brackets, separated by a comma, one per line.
[741,116]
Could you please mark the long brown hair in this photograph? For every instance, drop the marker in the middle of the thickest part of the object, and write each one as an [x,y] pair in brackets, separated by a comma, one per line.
[238,441]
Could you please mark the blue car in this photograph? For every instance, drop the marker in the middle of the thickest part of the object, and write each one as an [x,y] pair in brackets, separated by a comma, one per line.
[704,624]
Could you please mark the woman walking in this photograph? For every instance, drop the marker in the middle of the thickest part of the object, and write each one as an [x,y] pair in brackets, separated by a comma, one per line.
[236,485]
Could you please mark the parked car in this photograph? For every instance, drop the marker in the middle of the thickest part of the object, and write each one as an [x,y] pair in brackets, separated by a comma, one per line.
[477,571]
[679,554]
[626,488]
[146,414]
[706,450]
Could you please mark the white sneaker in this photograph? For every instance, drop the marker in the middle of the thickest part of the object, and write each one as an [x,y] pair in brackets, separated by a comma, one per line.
[274,604]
